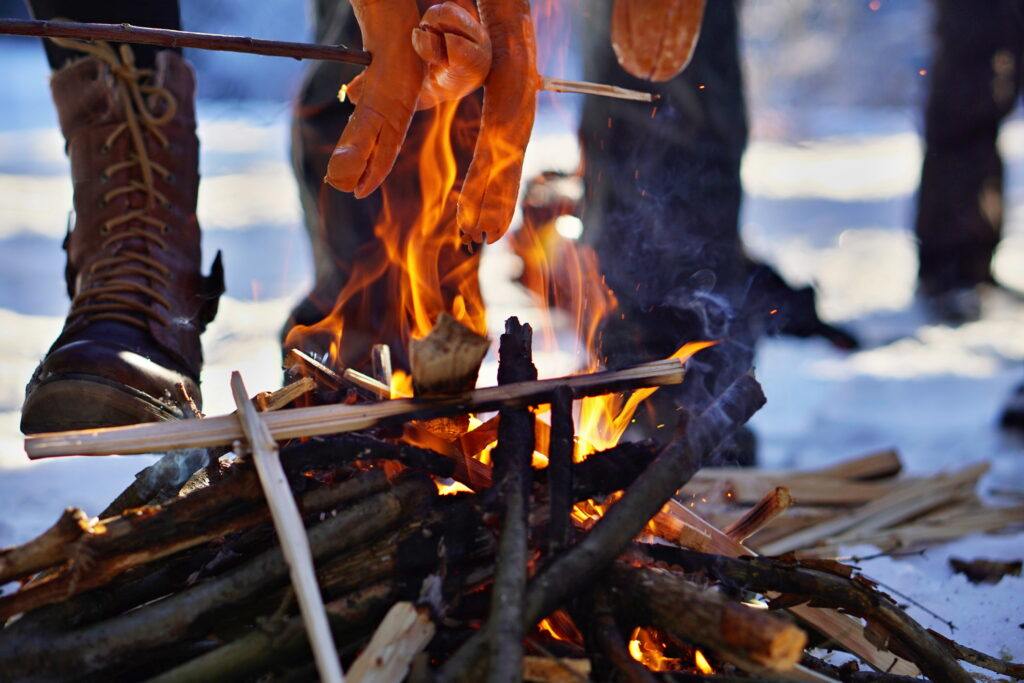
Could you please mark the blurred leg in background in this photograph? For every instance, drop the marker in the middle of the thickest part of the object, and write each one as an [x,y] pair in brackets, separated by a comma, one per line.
[975,81]
[129,350]
[662,206]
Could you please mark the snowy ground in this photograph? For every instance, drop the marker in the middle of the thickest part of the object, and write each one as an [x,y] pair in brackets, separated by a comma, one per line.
[829,198]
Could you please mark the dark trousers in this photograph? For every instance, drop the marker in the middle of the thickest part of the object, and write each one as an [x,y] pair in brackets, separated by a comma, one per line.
[975,82]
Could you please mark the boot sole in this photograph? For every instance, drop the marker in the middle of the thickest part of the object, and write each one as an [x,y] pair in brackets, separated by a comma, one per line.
[86,402]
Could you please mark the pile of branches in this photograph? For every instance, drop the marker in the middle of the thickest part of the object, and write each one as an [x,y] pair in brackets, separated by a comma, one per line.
[187,583]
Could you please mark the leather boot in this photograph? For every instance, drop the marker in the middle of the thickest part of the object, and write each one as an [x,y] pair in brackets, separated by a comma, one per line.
[129,351]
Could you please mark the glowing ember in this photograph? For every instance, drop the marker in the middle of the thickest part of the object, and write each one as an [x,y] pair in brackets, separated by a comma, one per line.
[702,663]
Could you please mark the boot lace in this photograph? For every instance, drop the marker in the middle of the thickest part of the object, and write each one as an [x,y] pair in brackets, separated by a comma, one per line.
[110,293]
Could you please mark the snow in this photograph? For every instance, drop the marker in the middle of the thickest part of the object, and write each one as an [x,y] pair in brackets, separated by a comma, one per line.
[829,175]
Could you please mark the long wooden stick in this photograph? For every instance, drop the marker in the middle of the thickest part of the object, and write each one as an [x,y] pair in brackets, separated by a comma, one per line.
[163,37]
[335,419]
[290,531]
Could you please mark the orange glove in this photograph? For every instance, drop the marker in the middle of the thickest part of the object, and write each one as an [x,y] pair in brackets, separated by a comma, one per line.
[370,143]
[655,39]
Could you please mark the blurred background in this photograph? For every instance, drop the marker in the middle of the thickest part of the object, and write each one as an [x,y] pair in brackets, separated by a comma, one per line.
[835,91]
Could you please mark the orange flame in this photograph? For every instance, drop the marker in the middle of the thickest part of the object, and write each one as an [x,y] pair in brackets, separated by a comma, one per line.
[647,647]
[702,663]
[414,270]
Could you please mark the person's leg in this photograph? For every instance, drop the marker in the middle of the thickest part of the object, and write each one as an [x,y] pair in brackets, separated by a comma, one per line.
[974,79]
[152,13]
[130,344]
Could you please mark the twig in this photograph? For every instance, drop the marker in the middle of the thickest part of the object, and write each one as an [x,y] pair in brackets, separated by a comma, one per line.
[600,89]
[977,658]
[267,401]
[512,470]
[335,419]
[290,532]
[560,480]
[380,356]
[375,387]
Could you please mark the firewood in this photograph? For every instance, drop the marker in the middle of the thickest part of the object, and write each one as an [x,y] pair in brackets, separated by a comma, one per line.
[549,670]
[900,505]
[512,482]
[858,597]
[304,365]
[560,474]
[705,617]
[267,401]
[884,463]
[334,419]
[403,633]
[681,525]
[748,486]
[367,383]
[761,515]
[48,548]
[94,647]
[577,567]
[284,639]
[611,642]
[136,539]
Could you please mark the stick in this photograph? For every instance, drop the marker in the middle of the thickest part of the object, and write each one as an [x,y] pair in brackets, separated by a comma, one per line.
[334,419]
[141,35]
[977,658]
[642,500]
[301,362]
[560,480]
[267,401]
[290,532]
[761,515]
[512,459]
[381,360]
[600,89]
[375,387]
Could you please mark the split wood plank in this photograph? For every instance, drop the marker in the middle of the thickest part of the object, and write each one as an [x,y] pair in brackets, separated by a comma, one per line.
[903,503]
[402,634]
[334,419]
[290,531]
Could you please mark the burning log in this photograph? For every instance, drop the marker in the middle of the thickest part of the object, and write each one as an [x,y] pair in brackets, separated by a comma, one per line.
[735,632]
[824,588]
[335,419]
[512,470]
[577,567]
[560,473]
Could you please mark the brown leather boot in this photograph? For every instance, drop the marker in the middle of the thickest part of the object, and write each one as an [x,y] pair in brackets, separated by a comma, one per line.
[138,299]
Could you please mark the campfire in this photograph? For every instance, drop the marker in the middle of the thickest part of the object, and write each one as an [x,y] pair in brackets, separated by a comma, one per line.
[511,545]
